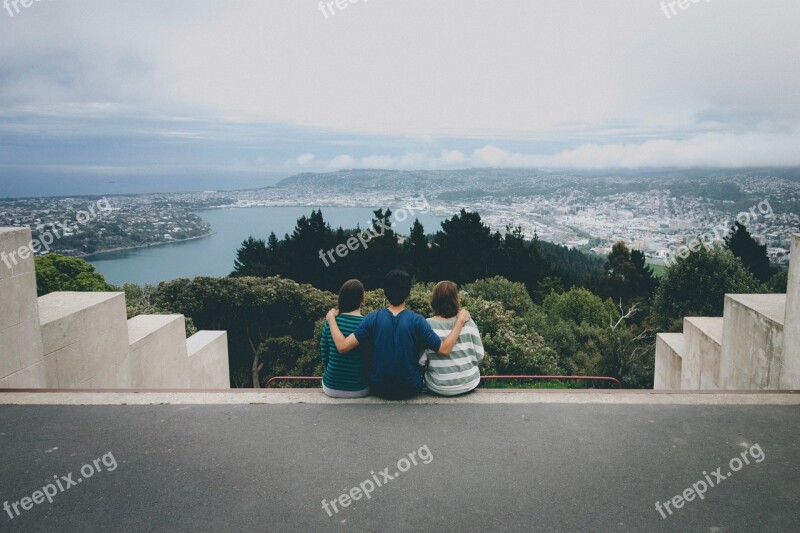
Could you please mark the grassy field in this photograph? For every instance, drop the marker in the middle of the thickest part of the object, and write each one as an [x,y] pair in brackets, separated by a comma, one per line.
[658,270]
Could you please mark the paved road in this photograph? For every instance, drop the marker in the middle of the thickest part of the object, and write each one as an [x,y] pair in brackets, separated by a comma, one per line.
[535,467]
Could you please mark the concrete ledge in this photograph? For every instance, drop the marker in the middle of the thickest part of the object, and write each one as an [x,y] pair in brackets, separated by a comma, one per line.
[157,356]
[703,346]
[790,376]
[669,360]
[11,240]
[208,360]
[752,341]
[86,333]
[315,396]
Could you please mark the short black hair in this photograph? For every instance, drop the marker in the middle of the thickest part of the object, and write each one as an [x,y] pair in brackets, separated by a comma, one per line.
[350,296]
[397,286]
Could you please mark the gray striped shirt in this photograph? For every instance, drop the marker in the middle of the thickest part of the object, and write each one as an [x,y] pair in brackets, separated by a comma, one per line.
[459,372]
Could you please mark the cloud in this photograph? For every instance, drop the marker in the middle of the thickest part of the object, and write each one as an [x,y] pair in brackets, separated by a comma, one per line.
[342,161]
[703,150]
[305,159]
[552,83]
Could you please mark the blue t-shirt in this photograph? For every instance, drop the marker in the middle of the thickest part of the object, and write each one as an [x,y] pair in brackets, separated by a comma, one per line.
[396,342]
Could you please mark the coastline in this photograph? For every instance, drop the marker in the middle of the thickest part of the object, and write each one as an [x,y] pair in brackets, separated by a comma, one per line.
[151,245]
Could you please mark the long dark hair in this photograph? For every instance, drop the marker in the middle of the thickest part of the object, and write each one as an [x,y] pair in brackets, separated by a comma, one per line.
[350,296]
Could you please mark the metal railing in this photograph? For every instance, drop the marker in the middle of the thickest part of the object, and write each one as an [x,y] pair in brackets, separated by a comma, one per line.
[615,381]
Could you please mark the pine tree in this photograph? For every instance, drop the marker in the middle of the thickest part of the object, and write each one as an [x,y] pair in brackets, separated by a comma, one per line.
[753,255]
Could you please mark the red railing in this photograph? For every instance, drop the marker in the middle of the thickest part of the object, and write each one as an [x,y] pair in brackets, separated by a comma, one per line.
[270,381]
[615,381]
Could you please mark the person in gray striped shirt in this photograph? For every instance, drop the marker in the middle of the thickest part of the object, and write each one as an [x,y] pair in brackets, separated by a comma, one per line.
[457,373]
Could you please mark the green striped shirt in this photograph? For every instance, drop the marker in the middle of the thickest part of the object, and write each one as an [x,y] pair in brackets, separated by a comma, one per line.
[459,372]
[348,371]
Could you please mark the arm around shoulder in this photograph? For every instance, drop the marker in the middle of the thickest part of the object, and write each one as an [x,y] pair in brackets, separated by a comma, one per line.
[343,345]
[452,338]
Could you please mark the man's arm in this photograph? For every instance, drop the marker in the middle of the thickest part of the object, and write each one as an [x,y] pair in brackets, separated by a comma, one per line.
[452,338]
[343,345]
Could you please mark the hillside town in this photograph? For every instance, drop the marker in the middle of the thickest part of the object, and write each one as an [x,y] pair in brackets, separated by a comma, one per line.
[655,214]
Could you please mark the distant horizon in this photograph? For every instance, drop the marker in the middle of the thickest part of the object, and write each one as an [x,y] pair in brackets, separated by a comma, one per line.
[49,184]
[173,97]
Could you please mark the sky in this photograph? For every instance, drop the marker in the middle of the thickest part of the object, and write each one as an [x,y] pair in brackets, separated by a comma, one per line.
[199,94]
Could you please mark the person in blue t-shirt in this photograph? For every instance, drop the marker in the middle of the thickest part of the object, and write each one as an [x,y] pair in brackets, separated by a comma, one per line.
[396,336]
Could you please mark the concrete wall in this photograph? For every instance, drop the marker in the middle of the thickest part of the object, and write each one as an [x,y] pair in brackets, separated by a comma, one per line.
[790,377]
[157,357]
[759,346]
[84,340]
[669,350]
[701,356]
[87,335]
[752,341]
[208,360]
[22,362]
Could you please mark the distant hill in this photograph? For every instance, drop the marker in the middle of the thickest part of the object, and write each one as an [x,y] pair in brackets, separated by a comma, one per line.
[379,178]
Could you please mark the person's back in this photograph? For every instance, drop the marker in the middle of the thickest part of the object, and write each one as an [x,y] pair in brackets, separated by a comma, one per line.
[457,373]
[345,374]
[395,336]
[395,341]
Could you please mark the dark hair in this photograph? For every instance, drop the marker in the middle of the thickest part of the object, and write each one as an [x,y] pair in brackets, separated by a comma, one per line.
[350,296]
[397,286]
[444,299]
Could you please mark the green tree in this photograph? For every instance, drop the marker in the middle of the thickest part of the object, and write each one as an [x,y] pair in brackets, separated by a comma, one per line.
[55,272]
[253,258]
[579,306]
[465,249]
[513,296]
[627,276]
[416,252]
[251,310]
[696,286]
[778,283]
[753,255]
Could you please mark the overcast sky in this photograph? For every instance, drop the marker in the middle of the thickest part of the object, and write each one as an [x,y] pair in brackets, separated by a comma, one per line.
[135,89]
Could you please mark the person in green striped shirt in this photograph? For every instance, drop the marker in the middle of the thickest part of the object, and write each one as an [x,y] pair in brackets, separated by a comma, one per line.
[457,373]
[345,374]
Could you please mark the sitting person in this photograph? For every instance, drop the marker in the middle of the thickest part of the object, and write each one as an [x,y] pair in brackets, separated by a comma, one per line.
[345,375]
[396,336]
[459,373]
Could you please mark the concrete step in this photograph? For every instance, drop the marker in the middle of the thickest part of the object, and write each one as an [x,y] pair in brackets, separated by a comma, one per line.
[669,356]
[85,335]
[208,360]
[157,354]
[702,350]
[21,359]
[752,341]
[790,376]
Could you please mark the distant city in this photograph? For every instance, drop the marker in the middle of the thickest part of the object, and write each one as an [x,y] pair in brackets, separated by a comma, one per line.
[653,212]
